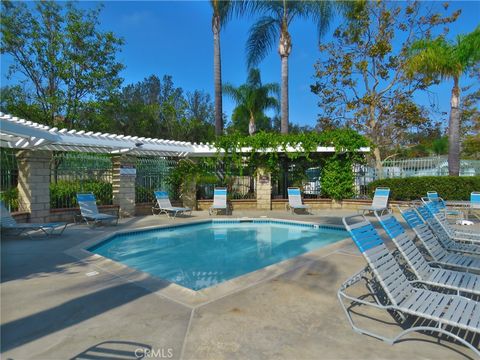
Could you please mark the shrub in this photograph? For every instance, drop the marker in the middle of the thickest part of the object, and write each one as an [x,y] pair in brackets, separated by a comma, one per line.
[63,193]
[10,198]
[413,188]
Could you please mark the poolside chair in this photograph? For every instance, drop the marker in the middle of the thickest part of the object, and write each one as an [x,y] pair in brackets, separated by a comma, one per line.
[446,241]
[433,197]
[424,270]
[89,210]
[9,223]
[295,200]
[219,201]
[474,204]
[163,205]
[432,213]
[380,200]
[450,237]
[433,247]
[391,291]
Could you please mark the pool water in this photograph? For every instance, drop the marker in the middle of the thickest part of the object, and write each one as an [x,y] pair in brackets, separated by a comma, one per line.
[202,255]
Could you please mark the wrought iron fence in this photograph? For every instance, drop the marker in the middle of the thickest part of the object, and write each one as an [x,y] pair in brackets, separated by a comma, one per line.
[9,179]
[71,173]
[152,174]
[240,184]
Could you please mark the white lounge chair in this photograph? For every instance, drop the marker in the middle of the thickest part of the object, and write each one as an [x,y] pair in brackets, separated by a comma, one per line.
[89,210]
[9,223]
[380,200]
[295,200]
[163,205]
[219,201]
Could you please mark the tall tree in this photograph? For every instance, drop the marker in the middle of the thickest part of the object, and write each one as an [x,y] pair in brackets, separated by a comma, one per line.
[222,12]
[361,80]
[61,52]
[252,99]
[273,25]
[447,60]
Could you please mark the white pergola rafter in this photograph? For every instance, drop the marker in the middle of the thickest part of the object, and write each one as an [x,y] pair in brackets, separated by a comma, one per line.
[19,133]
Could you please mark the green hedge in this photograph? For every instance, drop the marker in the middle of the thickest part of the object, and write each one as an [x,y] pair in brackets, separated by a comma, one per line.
[413,188]
[63,193]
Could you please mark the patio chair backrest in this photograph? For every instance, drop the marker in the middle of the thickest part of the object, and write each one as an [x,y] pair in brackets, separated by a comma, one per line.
[294,197]
[163,199]
[88,204]
[475,200]
[432,196]
[6,218]
[380,198]
[424,233]
[220,197]
[381,261]
[405,244]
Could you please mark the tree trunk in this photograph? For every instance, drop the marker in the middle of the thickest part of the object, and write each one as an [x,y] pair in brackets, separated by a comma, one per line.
[284,48]
[217,74]
[454,131]
[284,100]
[378,163]
[251,125]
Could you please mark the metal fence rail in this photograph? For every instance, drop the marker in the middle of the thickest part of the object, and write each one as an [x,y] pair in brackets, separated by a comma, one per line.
[427,166]
[9,179]
[71,173]
[152,174]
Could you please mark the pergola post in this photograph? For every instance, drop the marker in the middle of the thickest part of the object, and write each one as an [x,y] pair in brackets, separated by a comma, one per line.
[34,183]
[123,184]
[264,189]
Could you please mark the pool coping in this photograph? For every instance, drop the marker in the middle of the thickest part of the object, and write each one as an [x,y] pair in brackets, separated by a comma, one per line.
[194,298]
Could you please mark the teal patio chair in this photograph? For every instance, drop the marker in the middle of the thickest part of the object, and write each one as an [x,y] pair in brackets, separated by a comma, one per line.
[163,205]
[9,223]
[295,200]
[219,201]
[391,291]
[89,210]
[475,204]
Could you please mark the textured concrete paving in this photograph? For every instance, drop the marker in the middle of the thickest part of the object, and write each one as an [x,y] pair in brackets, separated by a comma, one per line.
[51,309]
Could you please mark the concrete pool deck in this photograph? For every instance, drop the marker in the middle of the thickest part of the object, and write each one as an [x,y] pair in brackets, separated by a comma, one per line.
[55,306]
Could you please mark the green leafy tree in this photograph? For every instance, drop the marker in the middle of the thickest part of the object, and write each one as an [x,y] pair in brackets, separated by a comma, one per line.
[61,53]
[439,58]
[252,99]
[361,82]
[273,25]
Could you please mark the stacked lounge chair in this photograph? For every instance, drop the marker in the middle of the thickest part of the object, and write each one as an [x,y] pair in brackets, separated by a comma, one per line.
[393,292]
[89,210]
[379,202]
[295,200]
[219,201]
[163,205]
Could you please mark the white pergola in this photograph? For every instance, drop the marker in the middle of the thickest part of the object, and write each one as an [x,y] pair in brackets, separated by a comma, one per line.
[16,133]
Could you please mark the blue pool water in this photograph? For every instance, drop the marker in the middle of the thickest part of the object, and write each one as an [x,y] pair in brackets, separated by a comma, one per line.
[202,255]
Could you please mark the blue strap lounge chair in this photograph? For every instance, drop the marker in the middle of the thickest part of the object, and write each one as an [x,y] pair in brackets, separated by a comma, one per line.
[89,210]
[448,238]
[379,202]
[475,204]
[9,223]
[163,205]
[392,291]
[439,216]
[426,271]
[434,248]
[295,200]
[219,201]
[433,197]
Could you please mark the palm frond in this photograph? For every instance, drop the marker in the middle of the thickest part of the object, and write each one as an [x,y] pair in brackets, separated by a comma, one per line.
[234,93]
[261,38]
[320,12]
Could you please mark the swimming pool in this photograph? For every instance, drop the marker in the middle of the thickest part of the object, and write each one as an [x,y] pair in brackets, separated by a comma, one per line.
[202,255]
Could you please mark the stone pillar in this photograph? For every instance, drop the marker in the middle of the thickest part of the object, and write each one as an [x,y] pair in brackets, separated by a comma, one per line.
[264,189]
[189,194]
[34,183]
[123,183]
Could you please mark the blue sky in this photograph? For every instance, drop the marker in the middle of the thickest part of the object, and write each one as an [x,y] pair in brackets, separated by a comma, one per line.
[175,38]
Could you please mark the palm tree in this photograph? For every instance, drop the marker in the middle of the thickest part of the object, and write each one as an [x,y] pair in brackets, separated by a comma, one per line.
[222,12]
[439,58]
[253,98]
[273,25]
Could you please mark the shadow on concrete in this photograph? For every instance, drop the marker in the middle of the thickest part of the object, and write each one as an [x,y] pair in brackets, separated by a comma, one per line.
[121,350]
[69,313]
